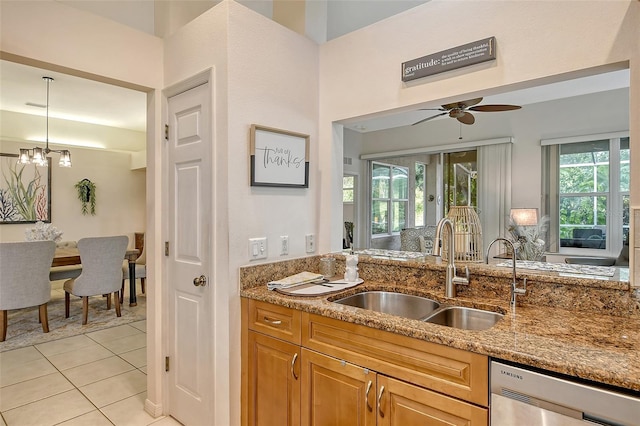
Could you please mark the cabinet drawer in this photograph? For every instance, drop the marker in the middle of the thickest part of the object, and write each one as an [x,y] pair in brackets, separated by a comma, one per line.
[447,370]
[277,321]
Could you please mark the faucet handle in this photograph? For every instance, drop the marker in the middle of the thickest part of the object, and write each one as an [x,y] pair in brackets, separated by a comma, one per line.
[462,280]
[521,290]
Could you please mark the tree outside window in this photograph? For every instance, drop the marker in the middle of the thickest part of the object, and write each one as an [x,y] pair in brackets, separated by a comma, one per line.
[593,192]
[419,195]
[389,198]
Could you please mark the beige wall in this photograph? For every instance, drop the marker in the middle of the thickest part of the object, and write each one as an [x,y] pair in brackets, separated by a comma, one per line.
[120,196]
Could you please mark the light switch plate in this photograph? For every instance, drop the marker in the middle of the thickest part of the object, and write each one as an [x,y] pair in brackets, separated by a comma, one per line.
[284,245]
[257,248]
[310,243]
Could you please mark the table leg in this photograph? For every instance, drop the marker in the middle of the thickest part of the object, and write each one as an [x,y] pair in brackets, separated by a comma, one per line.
[132,283]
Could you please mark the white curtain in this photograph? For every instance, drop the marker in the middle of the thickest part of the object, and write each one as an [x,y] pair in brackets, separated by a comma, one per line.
[494,190]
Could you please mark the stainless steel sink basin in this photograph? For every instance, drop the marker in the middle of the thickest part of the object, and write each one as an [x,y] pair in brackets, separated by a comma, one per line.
[400,304]
[465,318]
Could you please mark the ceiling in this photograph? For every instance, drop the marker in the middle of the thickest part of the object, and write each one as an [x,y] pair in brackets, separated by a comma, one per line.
[540,93]
[70,98]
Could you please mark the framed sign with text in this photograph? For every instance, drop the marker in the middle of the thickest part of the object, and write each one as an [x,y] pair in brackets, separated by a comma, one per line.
[279,158]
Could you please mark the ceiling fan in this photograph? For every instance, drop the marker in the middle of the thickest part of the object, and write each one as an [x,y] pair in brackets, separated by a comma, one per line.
[460,110]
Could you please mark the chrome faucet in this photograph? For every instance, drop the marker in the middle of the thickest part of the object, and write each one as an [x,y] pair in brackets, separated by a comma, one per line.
[514,285]
[451,278]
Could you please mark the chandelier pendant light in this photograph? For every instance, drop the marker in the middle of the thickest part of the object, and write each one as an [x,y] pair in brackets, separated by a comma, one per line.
[38,156]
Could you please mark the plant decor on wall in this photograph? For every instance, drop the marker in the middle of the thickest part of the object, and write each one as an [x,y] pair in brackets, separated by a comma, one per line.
[87,196]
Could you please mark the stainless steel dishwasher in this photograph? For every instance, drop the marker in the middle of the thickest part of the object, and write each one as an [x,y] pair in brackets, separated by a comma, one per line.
[525,397]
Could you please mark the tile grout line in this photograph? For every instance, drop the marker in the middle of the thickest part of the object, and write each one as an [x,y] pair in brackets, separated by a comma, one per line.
[58,370]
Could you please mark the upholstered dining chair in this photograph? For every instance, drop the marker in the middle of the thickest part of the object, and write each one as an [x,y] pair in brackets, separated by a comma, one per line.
[101,272]
[24,279]
[141,272]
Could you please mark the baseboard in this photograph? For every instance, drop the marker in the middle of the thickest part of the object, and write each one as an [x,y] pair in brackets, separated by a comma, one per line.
[155,410]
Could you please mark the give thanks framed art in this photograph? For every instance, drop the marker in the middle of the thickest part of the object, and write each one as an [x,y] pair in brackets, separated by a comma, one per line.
[279,158]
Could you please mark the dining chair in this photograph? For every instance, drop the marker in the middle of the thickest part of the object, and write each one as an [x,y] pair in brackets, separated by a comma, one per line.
[141,272]
[101,272]
[24,279]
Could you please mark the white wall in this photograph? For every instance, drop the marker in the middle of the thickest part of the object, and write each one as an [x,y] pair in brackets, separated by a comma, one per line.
[120,196]
[360,71]
[267,75]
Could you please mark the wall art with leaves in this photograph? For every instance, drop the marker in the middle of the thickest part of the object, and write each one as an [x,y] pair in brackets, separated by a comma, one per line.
[25,191]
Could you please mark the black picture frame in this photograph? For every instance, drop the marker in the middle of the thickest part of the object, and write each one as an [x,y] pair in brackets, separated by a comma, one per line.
[279,158]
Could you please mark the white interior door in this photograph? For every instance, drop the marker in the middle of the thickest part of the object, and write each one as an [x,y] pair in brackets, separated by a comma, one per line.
[190,306]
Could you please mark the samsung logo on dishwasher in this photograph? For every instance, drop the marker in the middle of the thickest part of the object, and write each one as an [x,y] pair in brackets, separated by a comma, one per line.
[512,375]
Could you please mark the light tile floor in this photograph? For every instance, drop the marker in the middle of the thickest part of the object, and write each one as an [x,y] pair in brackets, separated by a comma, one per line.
[94,379]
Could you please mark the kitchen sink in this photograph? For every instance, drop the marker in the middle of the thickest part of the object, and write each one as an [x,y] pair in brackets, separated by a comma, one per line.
[388,302]
[465,318]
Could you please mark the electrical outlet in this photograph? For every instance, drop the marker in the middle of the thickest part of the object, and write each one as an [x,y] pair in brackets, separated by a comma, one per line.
[284,245]
[310,240]
[257,248]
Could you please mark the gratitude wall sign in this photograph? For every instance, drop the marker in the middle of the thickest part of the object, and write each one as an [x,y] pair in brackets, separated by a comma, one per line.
[457,57]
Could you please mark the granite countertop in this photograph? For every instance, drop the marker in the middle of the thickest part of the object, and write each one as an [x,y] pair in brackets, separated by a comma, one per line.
[588,345]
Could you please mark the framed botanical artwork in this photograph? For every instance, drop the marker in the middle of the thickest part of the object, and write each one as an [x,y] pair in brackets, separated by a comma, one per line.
[25,191]
[279,158]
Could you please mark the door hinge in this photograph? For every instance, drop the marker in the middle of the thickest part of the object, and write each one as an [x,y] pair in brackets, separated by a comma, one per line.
[166,248]
[166,363]
[166,132]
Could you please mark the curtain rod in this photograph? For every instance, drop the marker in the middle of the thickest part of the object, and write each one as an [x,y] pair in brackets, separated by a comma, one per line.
[438,148]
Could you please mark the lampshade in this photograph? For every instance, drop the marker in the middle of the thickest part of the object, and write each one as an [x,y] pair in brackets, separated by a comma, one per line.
[525,217]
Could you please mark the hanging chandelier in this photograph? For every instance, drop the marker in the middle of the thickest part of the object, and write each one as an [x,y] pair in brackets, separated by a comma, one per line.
[38,156]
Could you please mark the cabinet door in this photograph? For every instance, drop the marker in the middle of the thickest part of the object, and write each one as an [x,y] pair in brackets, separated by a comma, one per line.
[336,393]
[274,382]
[401,404]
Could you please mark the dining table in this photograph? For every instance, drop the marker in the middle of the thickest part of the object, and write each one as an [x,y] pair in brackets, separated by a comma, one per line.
[65,256]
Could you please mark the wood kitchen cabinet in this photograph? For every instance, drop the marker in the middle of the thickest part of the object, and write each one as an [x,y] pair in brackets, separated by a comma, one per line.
[335,392]
[274,385]
[338,393]
[270,364]
[306,369]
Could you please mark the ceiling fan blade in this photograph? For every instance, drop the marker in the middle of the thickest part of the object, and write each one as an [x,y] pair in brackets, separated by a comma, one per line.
[462,104]
[494,108]
[429,118]
[467,118]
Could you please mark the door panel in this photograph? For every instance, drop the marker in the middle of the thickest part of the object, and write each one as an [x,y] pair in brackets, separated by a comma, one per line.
[189,306]
[274,383]
[405,404]
[335,392]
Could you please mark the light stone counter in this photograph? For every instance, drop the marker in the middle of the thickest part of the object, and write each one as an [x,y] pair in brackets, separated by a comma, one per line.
[581,327]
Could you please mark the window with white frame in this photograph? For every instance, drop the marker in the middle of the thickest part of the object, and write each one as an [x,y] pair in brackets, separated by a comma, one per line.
[389,198]
[588,184]
[348,188]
